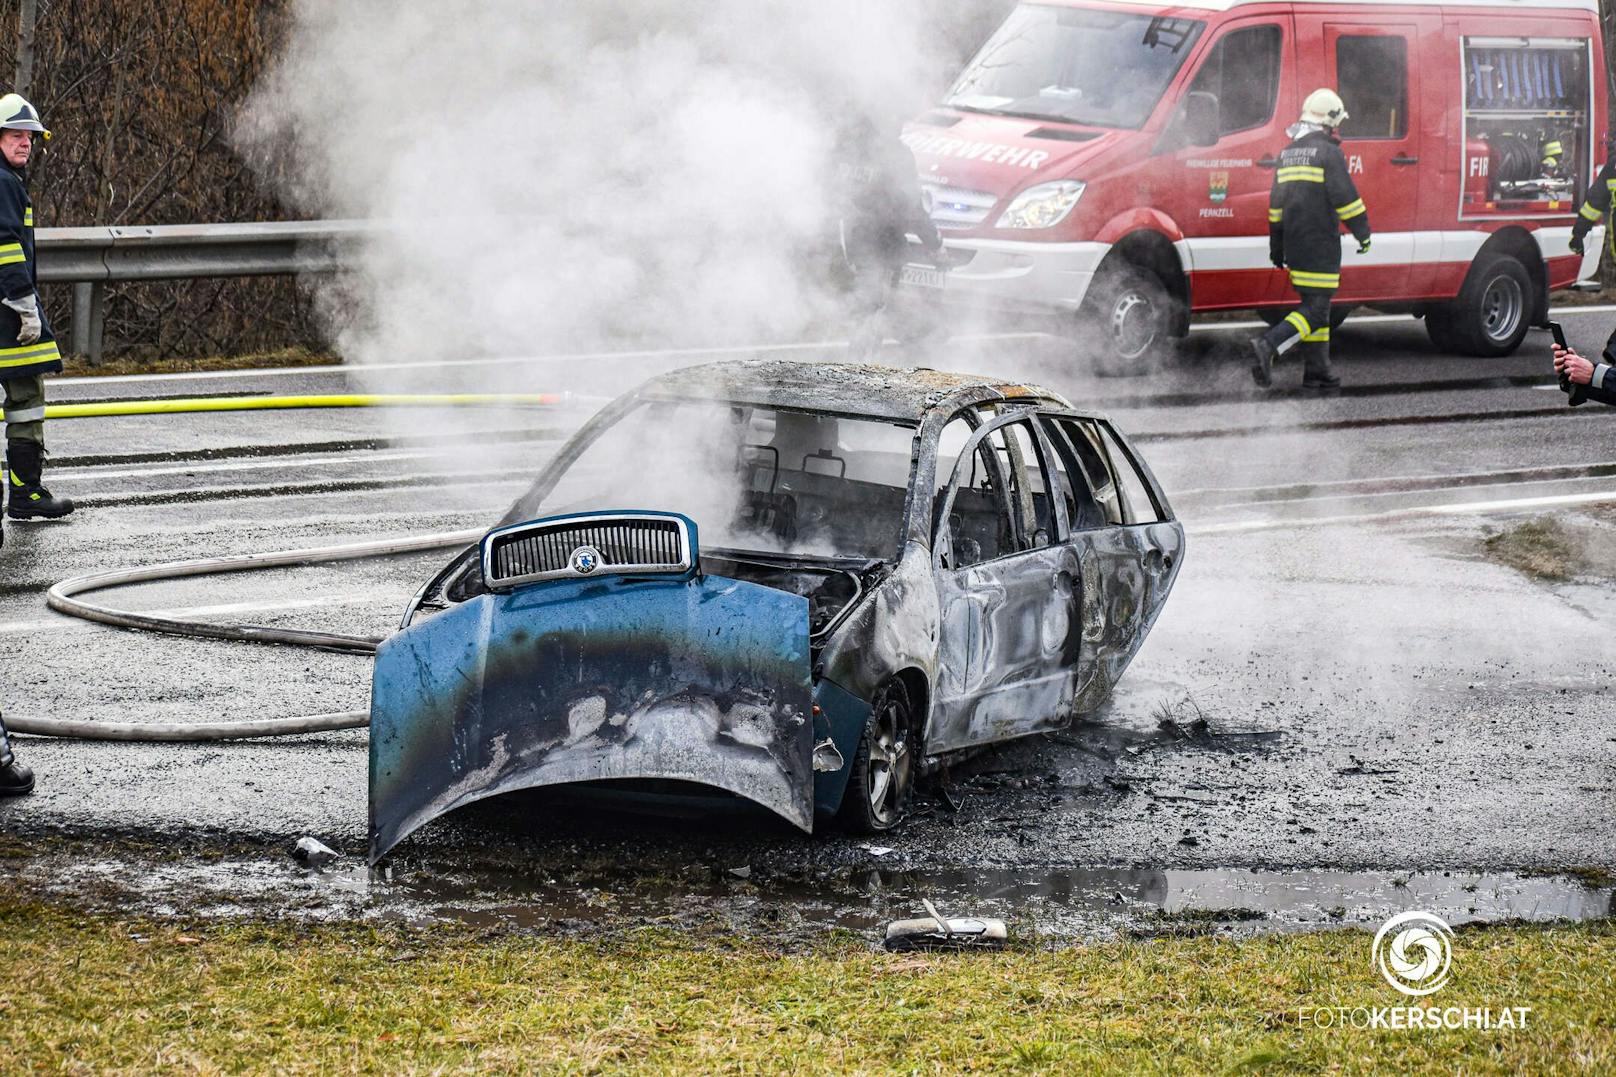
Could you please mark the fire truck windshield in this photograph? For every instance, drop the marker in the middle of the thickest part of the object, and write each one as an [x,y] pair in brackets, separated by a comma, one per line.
[1076,65]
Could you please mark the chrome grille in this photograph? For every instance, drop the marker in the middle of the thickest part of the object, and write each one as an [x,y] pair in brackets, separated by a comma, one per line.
[956,207]
[608,544]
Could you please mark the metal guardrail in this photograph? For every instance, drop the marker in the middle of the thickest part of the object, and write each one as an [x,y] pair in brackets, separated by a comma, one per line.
[90,258]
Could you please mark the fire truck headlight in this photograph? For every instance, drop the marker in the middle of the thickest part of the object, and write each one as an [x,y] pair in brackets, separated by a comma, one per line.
[1043,206]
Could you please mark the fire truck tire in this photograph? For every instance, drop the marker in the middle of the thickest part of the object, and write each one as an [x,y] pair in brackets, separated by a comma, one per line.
[1125,326]
[1494,309]
[1439,327]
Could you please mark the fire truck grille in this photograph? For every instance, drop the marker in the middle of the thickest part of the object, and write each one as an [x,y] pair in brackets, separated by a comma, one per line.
[956,207]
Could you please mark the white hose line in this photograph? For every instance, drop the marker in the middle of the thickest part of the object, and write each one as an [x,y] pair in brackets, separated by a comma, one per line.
[61,599]
[182,733]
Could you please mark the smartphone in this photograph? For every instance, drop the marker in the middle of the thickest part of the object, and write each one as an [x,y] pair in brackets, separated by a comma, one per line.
[1559,338]
[1575,392]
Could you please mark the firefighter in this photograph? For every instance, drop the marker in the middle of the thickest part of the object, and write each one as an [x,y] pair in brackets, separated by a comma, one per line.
[1312,198]
[1597,202]
[27,347]
[881,204]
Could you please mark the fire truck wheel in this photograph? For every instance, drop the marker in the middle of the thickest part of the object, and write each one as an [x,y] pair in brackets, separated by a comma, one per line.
[1490,316]
[1125,326]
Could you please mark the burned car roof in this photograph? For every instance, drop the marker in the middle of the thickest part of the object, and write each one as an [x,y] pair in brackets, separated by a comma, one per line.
[878,392]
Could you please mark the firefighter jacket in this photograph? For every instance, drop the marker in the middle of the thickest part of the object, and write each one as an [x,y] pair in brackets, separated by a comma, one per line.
[1312,197]
[1597,203]
[881,203]
[19,278]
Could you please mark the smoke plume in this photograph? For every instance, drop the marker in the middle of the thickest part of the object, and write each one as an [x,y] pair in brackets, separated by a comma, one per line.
[563,176]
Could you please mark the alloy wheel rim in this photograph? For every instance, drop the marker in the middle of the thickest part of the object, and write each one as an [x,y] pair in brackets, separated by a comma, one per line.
[889,763]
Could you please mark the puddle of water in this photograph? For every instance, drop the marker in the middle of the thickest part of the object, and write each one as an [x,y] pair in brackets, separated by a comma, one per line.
[1067,903]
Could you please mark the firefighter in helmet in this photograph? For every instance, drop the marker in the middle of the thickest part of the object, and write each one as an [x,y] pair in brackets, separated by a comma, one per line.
[27,347]
[1312,198]
[1598,202]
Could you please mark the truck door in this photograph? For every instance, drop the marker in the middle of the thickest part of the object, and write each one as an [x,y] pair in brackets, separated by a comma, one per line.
[1221,190]
[1371,65]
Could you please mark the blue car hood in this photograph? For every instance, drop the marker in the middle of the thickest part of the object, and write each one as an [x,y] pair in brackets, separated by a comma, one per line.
[702,679]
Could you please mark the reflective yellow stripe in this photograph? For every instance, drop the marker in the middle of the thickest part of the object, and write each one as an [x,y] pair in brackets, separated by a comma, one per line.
[1315,280]
[10,248]
[1318,336]
[1299,323]
[29,355]
[1350,210]
[1301,174]
[9,258]
[1553,149]
[28,217]
[1590,213]
[1611,184]
[1275,216]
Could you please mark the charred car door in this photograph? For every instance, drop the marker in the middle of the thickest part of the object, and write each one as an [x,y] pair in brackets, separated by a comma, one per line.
[1007,653]
[1127,541]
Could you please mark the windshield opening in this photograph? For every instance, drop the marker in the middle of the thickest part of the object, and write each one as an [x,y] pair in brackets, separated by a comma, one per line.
[1076,65]
[754,479]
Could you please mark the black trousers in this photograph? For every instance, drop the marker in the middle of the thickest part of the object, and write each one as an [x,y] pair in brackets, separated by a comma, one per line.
[6,757]
[1309,326]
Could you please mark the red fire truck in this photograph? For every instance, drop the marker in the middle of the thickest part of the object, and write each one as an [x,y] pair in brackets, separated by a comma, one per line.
[1108,162]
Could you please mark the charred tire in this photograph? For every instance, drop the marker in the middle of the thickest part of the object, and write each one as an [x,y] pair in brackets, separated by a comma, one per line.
[883,771]
[1126,321]
[1493,312]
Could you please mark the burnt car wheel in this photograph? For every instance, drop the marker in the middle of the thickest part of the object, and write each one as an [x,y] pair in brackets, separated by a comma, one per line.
[883,769]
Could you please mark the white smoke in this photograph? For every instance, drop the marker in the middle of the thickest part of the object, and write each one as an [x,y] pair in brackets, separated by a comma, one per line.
[566,175]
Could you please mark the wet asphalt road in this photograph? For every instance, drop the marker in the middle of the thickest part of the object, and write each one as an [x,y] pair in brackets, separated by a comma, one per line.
[1375,694]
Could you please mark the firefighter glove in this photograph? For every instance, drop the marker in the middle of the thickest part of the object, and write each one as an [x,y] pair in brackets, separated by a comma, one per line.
[1576,244]
[27,309]
[1363,248]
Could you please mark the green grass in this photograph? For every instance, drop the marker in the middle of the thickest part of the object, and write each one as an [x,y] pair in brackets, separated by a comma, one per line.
[83,993]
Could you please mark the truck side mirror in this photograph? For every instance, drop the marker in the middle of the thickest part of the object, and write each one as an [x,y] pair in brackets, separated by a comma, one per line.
[1202,117]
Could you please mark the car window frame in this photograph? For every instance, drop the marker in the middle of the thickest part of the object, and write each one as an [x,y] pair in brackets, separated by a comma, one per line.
[972,447]
[1131,457]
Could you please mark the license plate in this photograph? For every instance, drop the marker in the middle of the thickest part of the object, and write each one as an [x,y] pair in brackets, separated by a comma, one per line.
[922,276]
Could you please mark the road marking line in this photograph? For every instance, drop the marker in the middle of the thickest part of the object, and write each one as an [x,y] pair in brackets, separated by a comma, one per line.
[565,357]
[1559,471]
[1463,508]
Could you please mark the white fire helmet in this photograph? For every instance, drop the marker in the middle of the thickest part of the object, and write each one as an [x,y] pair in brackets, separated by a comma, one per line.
[1325,108]
[18,115]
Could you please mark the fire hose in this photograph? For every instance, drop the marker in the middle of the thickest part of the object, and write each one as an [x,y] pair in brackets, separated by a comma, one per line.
[63,598]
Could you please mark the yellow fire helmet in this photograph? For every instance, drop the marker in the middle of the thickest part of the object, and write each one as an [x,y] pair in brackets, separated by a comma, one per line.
[1325,108]
[18,115]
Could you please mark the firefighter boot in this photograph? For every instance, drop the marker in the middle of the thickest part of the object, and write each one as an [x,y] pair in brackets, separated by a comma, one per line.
[1316,373]
[28,497]
[1262,366]
[15,779]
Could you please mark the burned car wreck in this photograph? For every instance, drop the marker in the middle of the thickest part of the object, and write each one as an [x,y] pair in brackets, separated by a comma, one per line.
[802,584]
